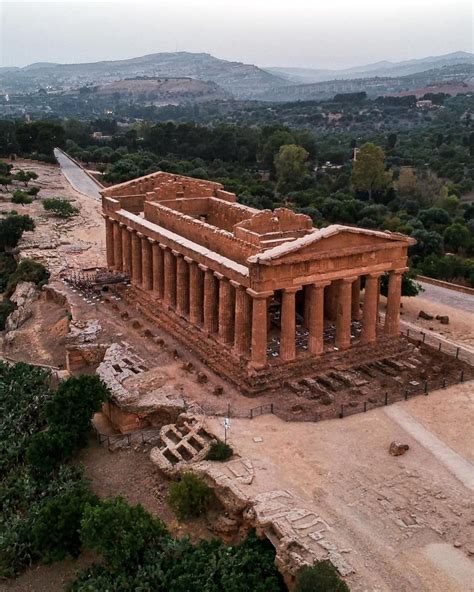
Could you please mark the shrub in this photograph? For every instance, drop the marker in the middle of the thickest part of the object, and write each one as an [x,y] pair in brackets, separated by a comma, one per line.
[7,267]
[219,451]
[120,533]
[48,449]
[33,191]
[56,531]
[60,207]
[73,405]
[189,497]
[12,228]
[21,197]
[322,576]
[27,271]
[6,308]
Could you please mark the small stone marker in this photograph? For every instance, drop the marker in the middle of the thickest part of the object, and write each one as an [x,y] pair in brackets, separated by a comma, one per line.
[258,439]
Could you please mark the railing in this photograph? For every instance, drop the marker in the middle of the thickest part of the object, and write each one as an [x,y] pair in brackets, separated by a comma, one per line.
[138,436]
[418,336]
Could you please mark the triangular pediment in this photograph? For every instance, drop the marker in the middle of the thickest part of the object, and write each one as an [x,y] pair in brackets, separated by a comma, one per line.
[331,240]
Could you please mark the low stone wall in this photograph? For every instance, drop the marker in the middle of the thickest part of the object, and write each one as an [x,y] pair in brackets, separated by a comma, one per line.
[449,285]
[84,357]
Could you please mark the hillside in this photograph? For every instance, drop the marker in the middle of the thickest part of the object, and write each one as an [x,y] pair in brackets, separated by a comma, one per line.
[438,79]
[381,69]
[240,80]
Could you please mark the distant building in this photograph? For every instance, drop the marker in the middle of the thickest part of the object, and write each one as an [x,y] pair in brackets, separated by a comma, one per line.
[424,104]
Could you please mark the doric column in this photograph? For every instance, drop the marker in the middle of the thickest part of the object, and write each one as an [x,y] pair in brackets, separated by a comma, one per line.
[356,299]
[331,297]
[147,272]
[288,324]
[118,263]
[196,292]
[370,310]
[182,285]
[169,291]
[136,258]
[258,354]
[343,319]
[307,305]
[157,266]
[316,316]
[392,315]
[127,249]
[210,300]
[243,320]
[226,309]
[109,241]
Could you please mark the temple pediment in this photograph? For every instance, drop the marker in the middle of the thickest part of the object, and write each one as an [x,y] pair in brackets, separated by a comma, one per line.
[333,239]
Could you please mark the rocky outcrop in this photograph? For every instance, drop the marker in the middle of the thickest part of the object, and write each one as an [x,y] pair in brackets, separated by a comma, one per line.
[23,296]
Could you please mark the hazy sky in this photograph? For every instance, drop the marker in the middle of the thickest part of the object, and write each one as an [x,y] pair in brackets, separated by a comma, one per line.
[312,33]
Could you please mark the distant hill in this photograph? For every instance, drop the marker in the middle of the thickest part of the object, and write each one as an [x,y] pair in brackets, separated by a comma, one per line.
[161,91]
[449,79]
[381,69]
[240,80]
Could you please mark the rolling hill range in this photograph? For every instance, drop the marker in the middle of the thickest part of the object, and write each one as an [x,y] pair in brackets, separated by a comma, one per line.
[381,69]
[240,80]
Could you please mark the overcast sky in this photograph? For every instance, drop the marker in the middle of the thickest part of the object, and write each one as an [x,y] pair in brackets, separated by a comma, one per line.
[309,33]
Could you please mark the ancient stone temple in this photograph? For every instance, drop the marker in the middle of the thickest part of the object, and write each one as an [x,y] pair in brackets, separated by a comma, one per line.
[250,288]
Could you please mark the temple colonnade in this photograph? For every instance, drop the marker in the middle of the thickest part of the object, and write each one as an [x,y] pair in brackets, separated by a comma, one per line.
[237,315]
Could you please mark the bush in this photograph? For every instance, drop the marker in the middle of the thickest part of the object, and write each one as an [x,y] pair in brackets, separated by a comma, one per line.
[25,176]
[27,271]
[219,451]
[21,197]
[6,308]
[189,497]
[56,531]
[48,449]
[322,576]
[60,207]
[33,191]
[73,405]
[120,533]
[7,267]
[12,228]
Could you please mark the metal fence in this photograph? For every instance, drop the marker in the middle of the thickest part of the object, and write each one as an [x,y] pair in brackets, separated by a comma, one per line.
[136,437]
[417,336]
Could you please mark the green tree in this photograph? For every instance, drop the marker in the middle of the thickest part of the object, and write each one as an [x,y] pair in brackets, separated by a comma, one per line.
[457,237]
[368,172]
[12,228]
[322,576]
[189,497]
[290,166]
[21,197]
[25,177]
[56,530]
[120,533]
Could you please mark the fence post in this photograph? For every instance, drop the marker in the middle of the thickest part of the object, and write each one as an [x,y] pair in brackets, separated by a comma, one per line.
[406,393]
[341,415]
[444,382]
[271,407]
[408,332]
[251,413]
[457,353]
[462,375]
[424,337]
[426,387]
[365,406]
[386,397]
[439,346]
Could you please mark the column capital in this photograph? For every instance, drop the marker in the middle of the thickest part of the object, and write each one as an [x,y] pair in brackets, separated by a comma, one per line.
[348,280]
[259,295]
[189,260]
[140,235]
[237,286]
[151,240]
[376,274]
[130,229]
[221,277]
[176,253]
[399,271]
[320,284]
[292,289]
[122,224]
[163,247]
[203,267]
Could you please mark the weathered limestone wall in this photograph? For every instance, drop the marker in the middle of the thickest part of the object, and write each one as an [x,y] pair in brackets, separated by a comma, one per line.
[84,357]
[214,239]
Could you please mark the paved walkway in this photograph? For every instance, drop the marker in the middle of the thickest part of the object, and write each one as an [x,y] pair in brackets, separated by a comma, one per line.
[446,296]
[77,177]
